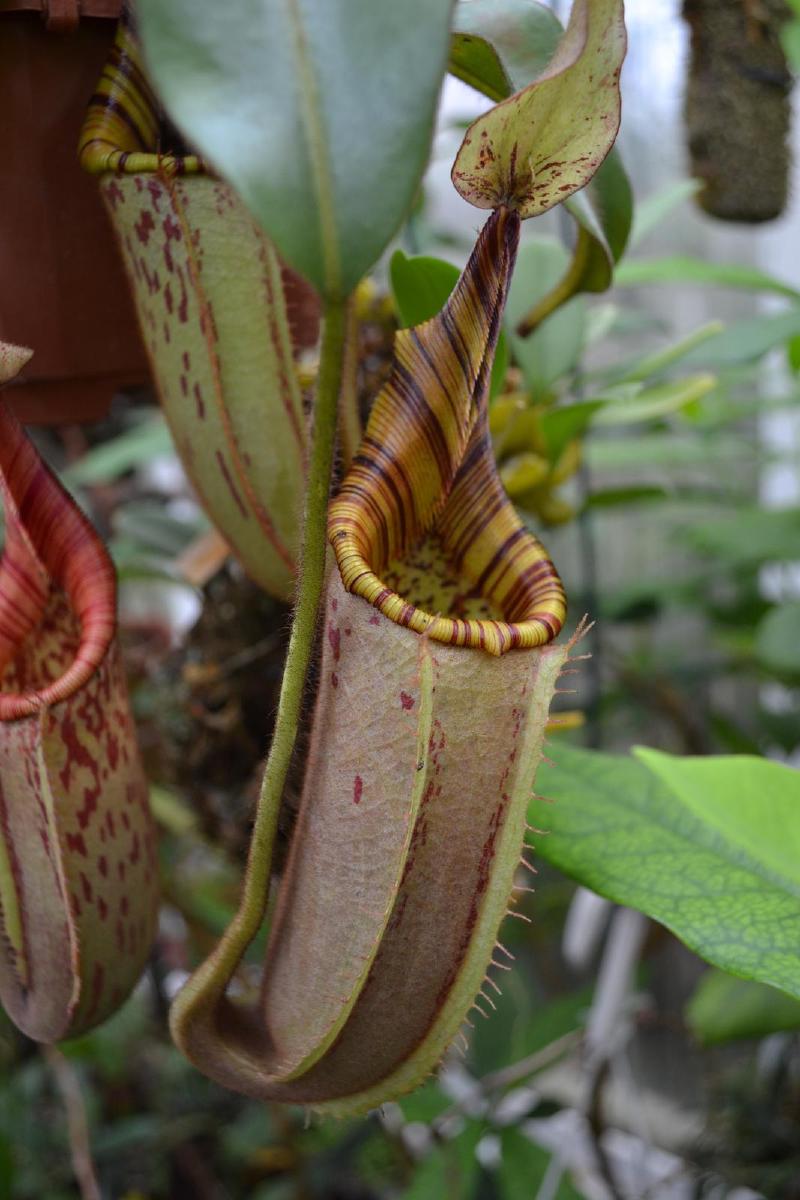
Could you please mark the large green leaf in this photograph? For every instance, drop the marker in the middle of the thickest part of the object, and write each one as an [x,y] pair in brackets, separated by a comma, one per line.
[724,1008]
[319,114]
[536,148]
[500,46]
[708,847]
[778,639]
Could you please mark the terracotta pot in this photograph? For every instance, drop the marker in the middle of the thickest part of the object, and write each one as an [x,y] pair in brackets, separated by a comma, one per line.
[64,293]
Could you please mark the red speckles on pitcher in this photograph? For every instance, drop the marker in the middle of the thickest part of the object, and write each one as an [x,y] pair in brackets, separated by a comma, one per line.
[78,879]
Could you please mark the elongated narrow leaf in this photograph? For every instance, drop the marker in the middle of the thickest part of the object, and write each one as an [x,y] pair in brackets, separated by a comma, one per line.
[684,269]
[659,206]
[424,748]
[708,847]
[209,292]
[78,879]
[320,115]
[536,148]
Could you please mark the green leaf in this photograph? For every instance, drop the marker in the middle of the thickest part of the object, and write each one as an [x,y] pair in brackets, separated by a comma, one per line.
[655,209]
[524,1167]
[421,286]
[659,401]
[450,1173]
[748,536]
[494,43]
[744,341]
[556,346]
[656,361]
[602,212]
[667,451]
[689,842]
[320,115]
[626,496]
[778,639]
[547,141]
[685,269]
[724,1009]
[753,802]
[500,46]
[147,439]
[561,425]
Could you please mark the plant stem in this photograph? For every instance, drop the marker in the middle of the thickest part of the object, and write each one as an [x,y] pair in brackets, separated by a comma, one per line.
[309,591]
[209,981]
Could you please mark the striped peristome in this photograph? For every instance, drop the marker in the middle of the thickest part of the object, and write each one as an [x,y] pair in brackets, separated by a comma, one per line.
[78,876]
[426,471]
[210,298]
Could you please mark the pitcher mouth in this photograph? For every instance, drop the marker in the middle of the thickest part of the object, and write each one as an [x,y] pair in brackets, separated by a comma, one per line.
[422,527]
[52,560]
[125,130]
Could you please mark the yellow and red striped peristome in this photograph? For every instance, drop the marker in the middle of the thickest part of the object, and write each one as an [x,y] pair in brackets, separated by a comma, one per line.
[78,876]
[422,527]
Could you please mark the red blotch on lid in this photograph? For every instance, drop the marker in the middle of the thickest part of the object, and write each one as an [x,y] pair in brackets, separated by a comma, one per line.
[358,788]
[406,700]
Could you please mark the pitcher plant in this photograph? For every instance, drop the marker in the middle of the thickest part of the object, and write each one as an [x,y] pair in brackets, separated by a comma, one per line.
[78,875]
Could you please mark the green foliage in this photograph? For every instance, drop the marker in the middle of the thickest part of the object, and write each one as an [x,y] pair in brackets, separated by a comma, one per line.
[691,843]
[554,349]
[547,141]
[725,1009]
[500,46]
[655,209]
[685,269]
[524,1168]
[268,93]
[778,639]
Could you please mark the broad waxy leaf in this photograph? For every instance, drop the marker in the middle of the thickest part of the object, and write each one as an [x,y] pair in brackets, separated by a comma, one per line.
[209,292]
[424,750]
[536,148]
[320,115]
[706,846]
[78,876]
